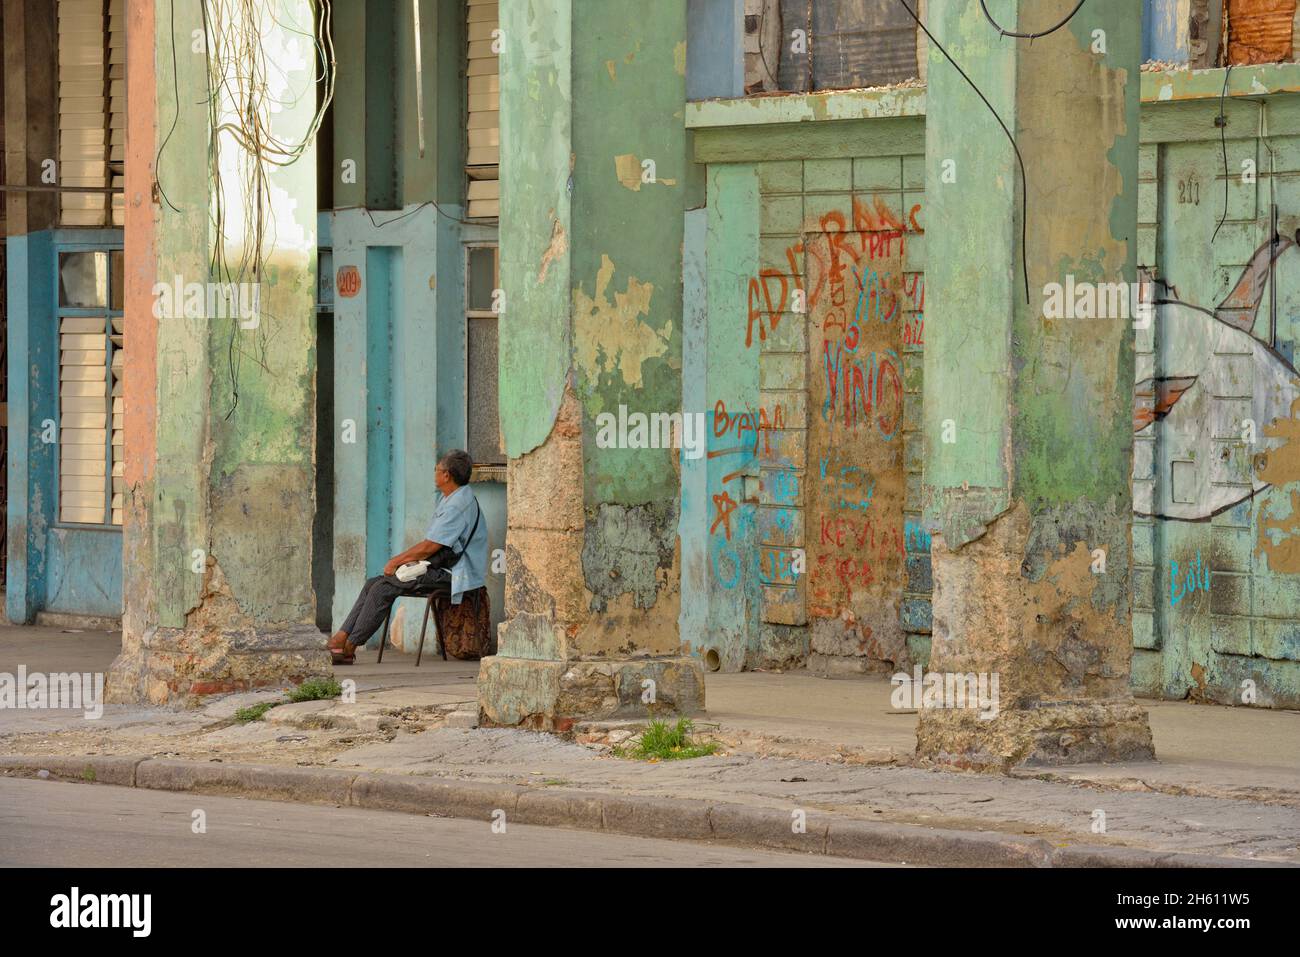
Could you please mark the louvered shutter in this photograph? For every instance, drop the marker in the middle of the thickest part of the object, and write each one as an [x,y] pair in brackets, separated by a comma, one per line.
[483,128]
[92,108]
[116,369]
[83,419]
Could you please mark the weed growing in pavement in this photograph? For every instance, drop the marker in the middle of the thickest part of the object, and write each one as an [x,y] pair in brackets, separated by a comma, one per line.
[316,689]
[661,742]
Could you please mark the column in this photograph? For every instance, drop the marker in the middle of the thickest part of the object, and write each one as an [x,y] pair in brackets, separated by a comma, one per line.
[593,165]
[1028,415]
[220,404]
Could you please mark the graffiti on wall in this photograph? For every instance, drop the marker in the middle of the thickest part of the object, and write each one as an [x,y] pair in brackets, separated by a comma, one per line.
[1215,407]
[869,231]
[740,438]
[856,547]
[808,499]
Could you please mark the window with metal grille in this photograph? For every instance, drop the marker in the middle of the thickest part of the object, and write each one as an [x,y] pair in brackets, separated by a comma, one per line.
[92,109]
[91,412]
[483,427]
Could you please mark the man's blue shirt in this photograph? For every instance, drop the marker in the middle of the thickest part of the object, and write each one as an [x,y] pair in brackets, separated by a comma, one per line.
[452,522]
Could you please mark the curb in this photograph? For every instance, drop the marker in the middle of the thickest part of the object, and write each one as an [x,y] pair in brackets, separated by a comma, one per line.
[672,818]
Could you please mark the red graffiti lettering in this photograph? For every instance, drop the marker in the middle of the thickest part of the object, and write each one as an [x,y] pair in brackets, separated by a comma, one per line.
[725,505]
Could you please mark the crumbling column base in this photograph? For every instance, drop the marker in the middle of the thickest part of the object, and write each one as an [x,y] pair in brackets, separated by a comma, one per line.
[179,668]
[550,695]
[1052,733]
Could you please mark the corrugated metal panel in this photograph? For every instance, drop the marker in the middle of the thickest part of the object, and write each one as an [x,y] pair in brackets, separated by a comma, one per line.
[92,108]
[839,44]
[482,119]
[1259,31]
[792,73]
[859,43]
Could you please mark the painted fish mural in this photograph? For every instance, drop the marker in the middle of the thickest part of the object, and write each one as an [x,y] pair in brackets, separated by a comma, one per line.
[1207,364]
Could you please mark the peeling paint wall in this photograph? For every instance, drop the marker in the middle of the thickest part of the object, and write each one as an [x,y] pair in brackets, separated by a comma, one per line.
[226,603]
[1215,477]
[594,172]
[1213,587]
[626,277]
[855,489]
[1027,418]
[535,354]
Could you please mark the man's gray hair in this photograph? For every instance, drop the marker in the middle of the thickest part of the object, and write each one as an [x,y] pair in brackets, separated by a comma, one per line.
[458,465]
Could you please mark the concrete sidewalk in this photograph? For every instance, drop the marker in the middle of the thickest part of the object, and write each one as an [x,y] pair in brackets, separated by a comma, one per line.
[1227,783]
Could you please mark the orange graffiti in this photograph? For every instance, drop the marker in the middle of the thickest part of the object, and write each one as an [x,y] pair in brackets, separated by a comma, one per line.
[725,505]
[876,233]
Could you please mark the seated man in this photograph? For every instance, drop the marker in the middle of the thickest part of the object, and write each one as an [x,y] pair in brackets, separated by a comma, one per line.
[457,529]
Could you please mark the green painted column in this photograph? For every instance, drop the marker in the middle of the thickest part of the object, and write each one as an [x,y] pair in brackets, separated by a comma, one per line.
[593,171]
[1029,415]
[220,417]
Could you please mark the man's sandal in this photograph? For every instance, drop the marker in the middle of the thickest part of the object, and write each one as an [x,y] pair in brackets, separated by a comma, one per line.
[342,655]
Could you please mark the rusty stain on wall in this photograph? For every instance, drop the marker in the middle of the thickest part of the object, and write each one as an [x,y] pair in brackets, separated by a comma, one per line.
[1259,31]
[1279,537]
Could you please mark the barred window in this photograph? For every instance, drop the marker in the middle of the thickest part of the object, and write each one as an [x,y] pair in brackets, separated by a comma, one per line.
[483,428]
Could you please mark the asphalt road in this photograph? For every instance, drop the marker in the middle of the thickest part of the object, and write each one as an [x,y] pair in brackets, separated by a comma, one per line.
[57,824]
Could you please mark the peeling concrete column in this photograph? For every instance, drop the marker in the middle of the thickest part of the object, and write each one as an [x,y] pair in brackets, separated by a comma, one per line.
[219,412]
[1029,419]
[592,197]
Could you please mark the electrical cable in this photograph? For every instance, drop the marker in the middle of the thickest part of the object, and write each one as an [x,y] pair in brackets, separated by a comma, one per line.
[176,99]
[762,53]
[240,80]
[1024,179]
[1221,121]
[410,212]
[1028,36]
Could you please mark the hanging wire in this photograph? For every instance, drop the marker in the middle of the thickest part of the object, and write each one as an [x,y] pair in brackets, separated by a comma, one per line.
[1024,187]
[1221,121]
[1028,36]
[240,82]
[176,102]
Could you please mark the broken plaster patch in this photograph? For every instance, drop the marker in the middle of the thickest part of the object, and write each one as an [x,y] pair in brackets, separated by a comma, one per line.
[609,334]
[556,248]
[628,170]
[1279,535]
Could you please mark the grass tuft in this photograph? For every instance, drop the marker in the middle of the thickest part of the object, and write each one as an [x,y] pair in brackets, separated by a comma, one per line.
[317,689]
[254,712]
[663,742]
